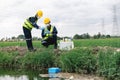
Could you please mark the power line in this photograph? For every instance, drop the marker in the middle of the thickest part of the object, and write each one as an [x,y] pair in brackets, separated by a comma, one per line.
[103,26]
[115,30]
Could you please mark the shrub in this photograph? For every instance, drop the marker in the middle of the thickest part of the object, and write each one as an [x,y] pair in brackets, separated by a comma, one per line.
[108,64]
[7,59]
[78,60]
[39,60]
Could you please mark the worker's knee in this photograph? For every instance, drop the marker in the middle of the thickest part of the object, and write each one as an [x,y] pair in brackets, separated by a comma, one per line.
[44,43]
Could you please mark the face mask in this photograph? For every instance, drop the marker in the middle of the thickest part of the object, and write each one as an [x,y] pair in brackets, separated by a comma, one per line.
[47,25]
[38,17]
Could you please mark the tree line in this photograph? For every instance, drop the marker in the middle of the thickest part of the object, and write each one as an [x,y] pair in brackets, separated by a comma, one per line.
[76,36]
[88,36]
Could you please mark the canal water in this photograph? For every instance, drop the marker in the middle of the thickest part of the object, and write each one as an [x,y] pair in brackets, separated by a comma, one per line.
[17,74]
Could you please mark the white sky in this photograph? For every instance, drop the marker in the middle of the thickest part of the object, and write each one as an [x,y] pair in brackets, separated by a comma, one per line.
[69,16]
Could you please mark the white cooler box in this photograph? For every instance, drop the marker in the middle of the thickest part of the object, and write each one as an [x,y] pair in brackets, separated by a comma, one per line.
[66,45]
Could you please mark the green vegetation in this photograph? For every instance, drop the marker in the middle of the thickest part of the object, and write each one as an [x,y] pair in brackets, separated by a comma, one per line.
[83,60]
[111,42]
[39,60]
[109,64]
[90,56]
[5,44]
[79,60]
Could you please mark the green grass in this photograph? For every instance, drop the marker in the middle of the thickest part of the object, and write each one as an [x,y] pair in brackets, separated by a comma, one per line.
[112,42]
[109,65]
[19,43]
[5,44]
[39,60]
[78,60]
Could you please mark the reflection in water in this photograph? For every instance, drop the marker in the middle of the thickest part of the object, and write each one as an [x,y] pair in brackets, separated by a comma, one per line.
[6,74]
[7,77]
[23,77]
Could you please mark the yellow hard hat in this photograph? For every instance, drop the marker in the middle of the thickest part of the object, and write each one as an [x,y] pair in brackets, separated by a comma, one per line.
[46,20]
[39,13]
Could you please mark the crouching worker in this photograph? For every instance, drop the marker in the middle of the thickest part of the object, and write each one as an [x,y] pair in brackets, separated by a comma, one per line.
[49,34]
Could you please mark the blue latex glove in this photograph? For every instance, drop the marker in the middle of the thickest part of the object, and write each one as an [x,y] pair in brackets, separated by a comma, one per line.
[41,28]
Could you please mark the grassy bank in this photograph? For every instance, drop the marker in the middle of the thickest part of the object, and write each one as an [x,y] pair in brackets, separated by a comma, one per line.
[103,63]
[88,57]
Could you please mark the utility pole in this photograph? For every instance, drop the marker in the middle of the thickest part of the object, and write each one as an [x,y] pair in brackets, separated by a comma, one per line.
[103,26]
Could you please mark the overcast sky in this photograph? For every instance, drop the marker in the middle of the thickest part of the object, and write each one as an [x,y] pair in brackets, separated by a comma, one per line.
[69,16]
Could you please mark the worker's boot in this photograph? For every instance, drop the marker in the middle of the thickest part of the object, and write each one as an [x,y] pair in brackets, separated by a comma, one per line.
[33,50]
[57,51]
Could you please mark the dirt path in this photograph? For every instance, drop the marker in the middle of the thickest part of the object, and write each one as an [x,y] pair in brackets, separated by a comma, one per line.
[21,50]
[73,76]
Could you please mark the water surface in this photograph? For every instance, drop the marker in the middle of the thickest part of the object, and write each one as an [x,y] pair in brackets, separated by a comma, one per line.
[17,74]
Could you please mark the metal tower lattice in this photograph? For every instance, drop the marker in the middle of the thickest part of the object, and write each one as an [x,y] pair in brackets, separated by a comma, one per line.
[115,30]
